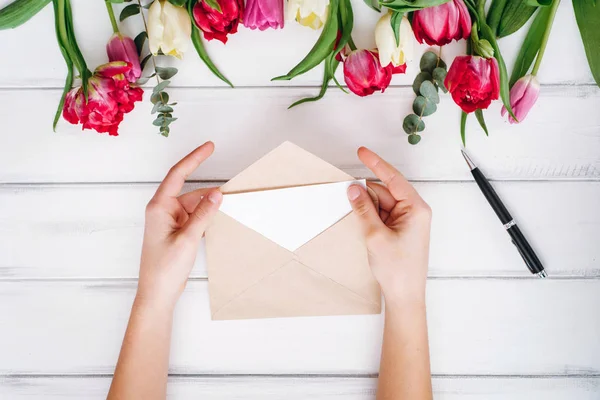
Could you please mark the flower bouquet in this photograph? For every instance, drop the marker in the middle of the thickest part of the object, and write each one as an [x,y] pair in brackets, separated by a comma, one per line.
[102,98]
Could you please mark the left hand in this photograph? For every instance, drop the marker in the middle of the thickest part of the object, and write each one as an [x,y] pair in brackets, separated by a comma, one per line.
[174,227]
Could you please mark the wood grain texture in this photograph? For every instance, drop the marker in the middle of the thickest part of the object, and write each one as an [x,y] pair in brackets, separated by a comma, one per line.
[95,231]
[301,388]
[559,140]
[248,58]
[477,327]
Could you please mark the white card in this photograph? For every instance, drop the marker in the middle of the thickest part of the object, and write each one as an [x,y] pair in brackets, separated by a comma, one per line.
[293,216]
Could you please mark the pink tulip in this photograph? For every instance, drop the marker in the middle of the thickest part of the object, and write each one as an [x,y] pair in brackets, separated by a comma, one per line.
[263,14]
[364,74]
[441,24]
[122,48]
[523,96]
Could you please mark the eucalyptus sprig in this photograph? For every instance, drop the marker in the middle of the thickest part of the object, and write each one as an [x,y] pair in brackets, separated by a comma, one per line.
[426,85]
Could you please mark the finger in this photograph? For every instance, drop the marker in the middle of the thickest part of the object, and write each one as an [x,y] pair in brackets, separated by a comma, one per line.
[202,215]
[175,179]
[190,200]
[386,200]
[398,186]
[363,206]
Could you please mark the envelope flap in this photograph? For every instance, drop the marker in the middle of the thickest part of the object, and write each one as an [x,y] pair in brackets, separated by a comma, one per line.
[287,165]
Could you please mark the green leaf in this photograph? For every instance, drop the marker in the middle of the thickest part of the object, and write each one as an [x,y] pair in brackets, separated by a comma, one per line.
[165,130]
[213,4]
[439,75]
[423,106]
[68,79]
[487,33]
[419,79]
[159,97]
[159,121]
[164,108]
[161,86]
[346,23]
[405,6]
[495,12]
[322,47]
[139,41]
[481,120]
[515,15]
[179,3]
[20,11]
[327,76]
[587,14]
[144,61]
[414,139]
[538,3]
[395,21]
[374,4]
[75,52]
[166,72]
[429,91]
[128,11]
[157,104]
[463,127]
[412,123]
[531,46]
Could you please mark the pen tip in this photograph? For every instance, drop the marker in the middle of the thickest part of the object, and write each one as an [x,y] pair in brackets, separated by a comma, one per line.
[470,162]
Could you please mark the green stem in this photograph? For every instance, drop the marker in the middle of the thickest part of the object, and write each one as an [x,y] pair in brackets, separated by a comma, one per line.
[481,9]
[540,54]
[351,44]
[111,14]
[62,31]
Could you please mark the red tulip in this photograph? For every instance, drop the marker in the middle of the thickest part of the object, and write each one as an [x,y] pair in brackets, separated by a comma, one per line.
[110,96]
[441,24]
[122,48]
[473,82]
[218,24]
[364,74]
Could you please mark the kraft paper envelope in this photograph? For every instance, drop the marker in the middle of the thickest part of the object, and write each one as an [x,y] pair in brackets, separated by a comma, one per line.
[285,243]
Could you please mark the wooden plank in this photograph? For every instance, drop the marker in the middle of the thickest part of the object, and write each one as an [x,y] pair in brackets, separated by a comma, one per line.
[251,58]
[301,388]
[559,140]
[477,327]
[95,231]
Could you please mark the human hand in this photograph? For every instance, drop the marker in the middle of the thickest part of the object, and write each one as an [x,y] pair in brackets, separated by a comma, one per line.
[173,230]
[398,236]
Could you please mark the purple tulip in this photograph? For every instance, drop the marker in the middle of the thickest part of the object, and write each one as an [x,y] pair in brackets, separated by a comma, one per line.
[263,14]
[122,48]
[523,96]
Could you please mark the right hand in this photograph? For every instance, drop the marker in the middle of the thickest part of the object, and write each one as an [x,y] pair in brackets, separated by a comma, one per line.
[397,236]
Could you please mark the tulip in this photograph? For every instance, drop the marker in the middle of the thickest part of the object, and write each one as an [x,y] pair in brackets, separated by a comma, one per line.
[169,28]
[263,14]
[218,24]
[364,74]
[122,48]
[311,13]
[441,24]
[389,51]
[523,96]
[473,82]
[110,96]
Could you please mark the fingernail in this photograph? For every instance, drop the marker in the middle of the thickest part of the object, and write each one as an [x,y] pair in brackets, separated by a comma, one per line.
[215,197]
[353,192]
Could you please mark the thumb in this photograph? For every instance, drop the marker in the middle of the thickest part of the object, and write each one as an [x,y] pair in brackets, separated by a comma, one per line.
[363,206]
[202,215]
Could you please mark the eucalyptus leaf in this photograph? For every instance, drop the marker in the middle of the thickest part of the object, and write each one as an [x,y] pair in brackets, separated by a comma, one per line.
[164,108]
[322,47]
[429,91]
[429,61]
[587,14]
[20,11]
[531,45]
[166,72]
[414,139]
[405,6]
[139,41]
[395,21]
[165,130]
[412,123]
[159,97]
[481,120]
[129,11]
[419,79]
[423,106]
[155,107]
[161,86]
[439,75]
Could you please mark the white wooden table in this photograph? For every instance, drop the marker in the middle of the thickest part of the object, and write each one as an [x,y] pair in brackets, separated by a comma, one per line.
[72,202]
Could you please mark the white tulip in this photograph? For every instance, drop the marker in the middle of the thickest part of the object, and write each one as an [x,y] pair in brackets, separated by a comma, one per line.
[169,28]
[311,13]
[385,40]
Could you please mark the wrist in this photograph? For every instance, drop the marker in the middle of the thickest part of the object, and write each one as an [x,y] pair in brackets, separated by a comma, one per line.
[159,305]
[404,298]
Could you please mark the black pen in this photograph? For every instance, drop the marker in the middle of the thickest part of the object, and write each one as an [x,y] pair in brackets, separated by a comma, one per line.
[529,256]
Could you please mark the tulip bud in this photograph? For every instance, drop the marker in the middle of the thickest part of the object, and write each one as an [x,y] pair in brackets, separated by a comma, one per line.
[169,28]
[389,51]
[473,82]
[364,74]
[523,96]
[122,48]
[441,24]
[311,13]
[218,24]
[263,14]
